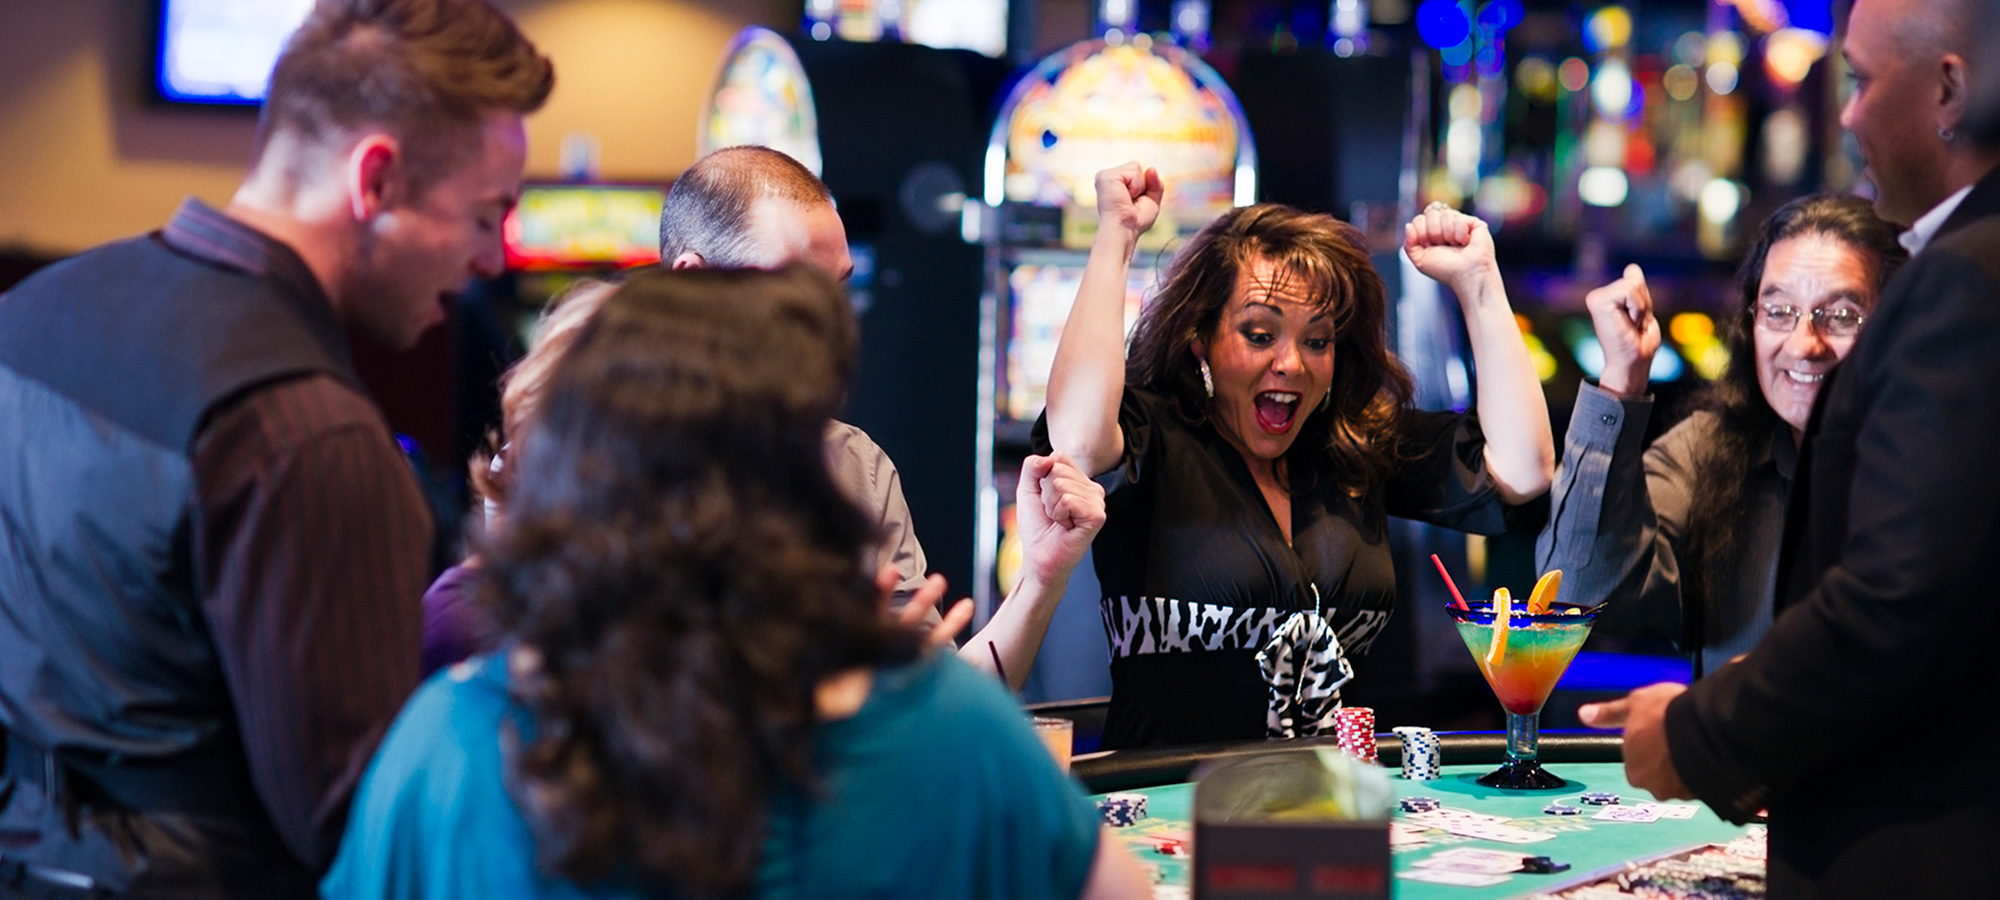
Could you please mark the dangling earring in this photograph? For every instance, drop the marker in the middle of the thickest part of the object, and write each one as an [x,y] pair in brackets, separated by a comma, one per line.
[1207,380]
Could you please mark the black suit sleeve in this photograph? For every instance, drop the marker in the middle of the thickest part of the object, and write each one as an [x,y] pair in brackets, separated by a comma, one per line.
[1907,606]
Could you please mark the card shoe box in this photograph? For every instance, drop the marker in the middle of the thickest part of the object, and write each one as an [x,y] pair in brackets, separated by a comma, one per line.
[1283,860]
[1247,856]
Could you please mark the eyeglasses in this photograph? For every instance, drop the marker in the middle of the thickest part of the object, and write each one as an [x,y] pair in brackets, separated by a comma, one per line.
[1831,321]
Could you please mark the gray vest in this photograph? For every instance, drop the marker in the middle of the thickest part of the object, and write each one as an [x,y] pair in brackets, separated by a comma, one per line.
[109,363]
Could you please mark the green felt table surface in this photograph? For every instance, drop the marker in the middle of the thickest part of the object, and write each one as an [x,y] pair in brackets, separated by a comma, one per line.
[1592,848]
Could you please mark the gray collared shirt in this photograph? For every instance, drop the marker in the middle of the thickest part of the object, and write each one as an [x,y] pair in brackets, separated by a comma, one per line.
[1619,518]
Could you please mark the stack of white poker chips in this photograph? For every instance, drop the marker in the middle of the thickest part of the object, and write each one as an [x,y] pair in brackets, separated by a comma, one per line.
[1120,810]
[1422,756]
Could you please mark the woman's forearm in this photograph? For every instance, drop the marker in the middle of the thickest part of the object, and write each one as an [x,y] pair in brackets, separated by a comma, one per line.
[1088,376]
[1520,452]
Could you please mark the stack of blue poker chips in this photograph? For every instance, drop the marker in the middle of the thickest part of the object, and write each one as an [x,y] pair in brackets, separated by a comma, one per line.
[1419,804]
[1421,753]
[1120,810]
[1599,798]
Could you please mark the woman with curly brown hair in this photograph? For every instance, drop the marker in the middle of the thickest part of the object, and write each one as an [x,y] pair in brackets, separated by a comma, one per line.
[701,697]
[1254,442]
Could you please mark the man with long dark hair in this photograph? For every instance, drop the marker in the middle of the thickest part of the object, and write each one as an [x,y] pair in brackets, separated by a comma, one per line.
[212,546]
[1684,537]
[1890,619]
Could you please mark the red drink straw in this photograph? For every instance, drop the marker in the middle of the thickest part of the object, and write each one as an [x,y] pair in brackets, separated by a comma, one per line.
[1456,598]
[1002,670]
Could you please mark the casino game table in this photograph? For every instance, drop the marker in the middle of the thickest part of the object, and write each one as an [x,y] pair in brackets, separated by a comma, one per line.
[1592,848]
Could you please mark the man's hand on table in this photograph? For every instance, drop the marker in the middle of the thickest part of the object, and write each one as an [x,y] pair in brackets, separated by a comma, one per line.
[1649,765]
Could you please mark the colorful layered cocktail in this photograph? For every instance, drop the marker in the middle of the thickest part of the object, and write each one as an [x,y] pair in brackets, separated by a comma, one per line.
[1533,650]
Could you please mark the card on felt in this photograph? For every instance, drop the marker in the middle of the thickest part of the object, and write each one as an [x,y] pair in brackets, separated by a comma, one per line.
[1472,859]
[1462,879]
[1672,810]
[1402,834]
[1639,814]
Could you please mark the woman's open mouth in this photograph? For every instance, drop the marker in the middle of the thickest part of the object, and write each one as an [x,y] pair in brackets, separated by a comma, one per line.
[1275,410]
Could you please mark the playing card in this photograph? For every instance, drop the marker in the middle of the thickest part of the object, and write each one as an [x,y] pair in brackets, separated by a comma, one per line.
[1402,835]
[1642,814]
[1483,827]
[1472,859]
[1462,879]
[1672,810]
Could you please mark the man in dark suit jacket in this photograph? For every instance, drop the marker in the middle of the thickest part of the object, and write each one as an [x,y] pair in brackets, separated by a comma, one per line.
[1892,620]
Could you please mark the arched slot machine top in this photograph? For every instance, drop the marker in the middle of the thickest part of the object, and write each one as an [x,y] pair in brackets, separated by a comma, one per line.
[763,97]
[1106,101]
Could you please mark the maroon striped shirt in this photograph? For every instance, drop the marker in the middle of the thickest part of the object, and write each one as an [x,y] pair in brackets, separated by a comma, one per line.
[311,549]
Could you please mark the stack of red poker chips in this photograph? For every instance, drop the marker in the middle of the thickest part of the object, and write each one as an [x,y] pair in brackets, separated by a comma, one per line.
[1354,728]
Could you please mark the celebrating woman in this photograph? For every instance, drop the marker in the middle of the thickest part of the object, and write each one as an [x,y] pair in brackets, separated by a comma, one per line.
[1687,542]
[700,696]
[1254,442]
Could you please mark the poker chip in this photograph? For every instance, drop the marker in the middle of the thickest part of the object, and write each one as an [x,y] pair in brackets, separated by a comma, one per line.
[1599,798]
[1419,804]
[1562,809]
[1120,810]
[1354,729]
[1421,753]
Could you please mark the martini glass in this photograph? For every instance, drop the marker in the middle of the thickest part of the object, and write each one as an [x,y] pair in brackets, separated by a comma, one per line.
[1534,654]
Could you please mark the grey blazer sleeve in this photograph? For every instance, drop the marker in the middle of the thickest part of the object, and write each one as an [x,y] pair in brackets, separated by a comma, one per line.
[1606,527]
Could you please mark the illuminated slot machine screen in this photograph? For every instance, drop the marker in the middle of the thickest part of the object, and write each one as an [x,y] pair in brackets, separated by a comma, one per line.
[763,98]
[221,51]
[577,227]
[1098,104]
[1042,294]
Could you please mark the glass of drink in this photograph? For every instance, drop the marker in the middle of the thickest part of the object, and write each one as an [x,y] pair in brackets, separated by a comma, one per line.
[1522,660]
[1057,735]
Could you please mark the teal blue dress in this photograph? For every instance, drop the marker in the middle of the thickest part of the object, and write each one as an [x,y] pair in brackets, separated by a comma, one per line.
[937,787]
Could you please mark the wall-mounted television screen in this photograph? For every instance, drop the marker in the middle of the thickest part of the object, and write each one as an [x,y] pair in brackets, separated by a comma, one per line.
[222,51]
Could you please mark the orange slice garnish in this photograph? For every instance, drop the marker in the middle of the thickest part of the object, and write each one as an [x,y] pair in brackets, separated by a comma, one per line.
[1503,608]
[1544,597]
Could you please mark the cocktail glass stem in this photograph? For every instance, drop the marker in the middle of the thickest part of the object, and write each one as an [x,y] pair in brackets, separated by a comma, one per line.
[1522,771]
[1522,736]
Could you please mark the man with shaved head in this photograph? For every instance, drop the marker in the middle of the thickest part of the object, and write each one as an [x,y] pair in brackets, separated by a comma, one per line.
[1887,613]
[754,207]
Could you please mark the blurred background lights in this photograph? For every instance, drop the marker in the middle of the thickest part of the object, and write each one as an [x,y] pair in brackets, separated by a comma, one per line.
[1785,144]
[1725,46]
[1602,186]
[1465,102]
[1667,364]
[1695,333]
[1604,144]
[1720,200]
[1573,75]
[1789,54]
[1763,16]
[1722,78]
[1607,29]
[1442,24]
[1681,82]
[1611,90]
[1536,77]
[1500,15]
[1691,49]
[1589,356]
